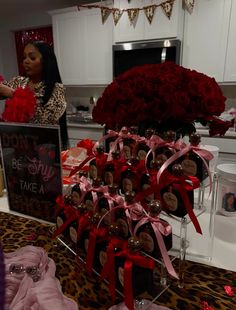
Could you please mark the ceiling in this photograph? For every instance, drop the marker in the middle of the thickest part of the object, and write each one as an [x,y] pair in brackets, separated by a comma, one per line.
[10,9]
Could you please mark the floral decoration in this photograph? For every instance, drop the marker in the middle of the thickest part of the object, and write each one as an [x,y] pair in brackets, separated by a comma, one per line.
[166,96]
[88,144]
[20,107]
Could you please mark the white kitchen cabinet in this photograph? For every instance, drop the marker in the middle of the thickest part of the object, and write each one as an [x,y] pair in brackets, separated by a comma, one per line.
[230,64]
[123,31]
[205,37]
[66,27]
[83,46]
[161,26]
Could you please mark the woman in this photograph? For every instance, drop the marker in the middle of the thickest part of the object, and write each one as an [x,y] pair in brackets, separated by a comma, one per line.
[43,78]
[229,202]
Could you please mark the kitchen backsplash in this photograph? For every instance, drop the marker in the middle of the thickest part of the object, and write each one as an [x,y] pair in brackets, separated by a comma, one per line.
[82,97]
[229,92]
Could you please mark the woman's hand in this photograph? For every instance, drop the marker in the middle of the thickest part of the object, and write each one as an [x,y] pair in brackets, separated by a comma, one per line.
[6,91]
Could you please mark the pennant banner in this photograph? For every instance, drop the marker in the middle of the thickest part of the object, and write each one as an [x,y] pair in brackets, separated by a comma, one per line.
[116,15]
[167,8]
[105,12]
[149,12]
[189,5]
[133,15]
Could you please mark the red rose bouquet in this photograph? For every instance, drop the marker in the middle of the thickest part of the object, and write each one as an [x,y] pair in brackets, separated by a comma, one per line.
[20,107]
[165,96]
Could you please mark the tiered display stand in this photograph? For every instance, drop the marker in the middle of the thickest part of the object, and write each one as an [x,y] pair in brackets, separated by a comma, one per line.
[180,248]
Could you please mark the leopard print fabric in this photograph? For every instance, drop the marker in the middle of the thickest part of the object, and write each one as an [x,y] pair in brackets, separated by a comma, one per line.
[50,112]
[202,282]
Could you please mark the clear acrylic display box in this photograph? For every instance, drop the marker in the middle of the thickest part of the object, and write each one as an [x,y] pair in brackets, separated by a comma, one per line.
[187,243]
[161,280]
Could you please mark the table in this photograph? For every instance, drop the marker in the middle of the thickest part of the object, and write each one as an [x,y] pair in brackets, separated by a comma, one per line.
[202,282]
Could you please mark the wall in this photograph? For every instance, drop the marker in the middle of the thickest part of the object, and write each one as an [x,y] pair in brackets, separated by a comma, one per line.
[8,65]
[80,96]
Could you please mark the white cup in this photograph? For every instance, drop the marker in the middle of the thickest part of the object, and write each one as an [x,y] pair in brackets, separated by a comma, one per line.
[215,152]
[226,191]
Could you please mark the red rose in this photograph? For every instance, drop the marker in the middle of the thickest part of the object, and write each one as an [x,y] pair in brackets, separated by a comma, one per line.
[160,93]
[219,127]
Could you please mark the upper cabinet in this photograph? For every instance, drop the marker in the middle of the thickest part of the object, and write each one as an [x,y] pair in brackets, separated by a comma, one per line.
[208,36]
[230,64]
[161,26]
[83,46]
[123,30]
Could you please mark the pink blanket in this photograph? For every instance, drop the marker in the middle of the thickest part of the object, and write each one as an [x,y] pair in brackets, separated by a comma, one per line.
[31,283]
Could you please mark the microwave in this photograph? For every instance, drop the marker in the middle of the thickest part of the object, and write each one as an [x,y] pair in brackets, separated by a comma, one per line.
[131,54]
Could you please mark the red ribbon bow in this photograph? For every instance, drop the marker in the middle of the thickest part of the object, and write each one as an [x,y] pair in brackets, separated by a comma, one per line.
[160,228]
[131,258]
[183,184]
[203,154]
[71,215]
[108,270]
[100,233]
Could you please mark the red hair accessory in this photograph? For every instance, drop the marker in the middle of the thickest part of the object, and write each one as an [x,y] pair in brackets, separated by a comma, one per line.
[21,107]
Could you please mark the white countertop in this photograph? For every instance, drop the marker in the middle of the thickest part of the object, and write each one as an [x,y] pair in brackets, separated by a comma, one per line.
[85,125]
[231,133]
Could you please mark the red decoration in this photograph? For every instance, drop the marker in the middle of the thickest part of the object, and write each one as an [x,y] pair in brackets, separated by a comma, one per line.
[22,37]
[21,107]
[131,259]
[162,93]
[1,78]
[86,144]
[229,290]
[206,306]
[219,127]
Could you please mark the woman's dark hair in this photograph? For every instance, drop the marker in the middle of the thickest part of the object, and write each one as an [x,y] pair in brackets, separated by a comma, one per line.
[50,76]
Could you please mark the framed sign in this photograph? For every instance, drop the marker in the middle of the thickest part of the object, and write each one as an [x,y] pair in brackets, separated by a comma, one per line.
[32,167]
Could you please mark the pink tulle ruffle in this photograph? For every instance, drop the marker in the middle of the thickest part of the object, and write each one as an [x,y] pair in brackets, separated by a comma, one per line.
[24,292]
